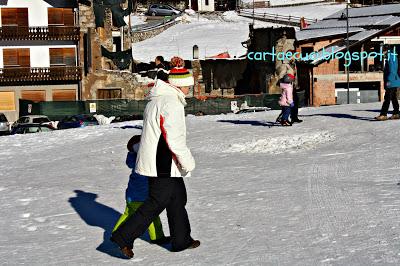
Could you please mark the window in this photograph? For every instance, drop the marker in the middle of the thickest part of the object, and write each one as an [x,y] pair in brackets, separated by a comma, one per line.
[23,120]
[45,129]
[207,3]
[35,96]
[40,120]
[32,130]
[14,17]
[109,93]
[3,118]
[7,100]
[60,16]
[16,57]
[62,57]
[64,95]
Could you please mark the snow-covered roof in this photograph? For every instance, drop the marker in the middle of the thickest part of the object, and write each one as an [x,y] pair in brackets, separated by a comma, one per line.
[377,21]
[309,34]
[392,9]
[363,35]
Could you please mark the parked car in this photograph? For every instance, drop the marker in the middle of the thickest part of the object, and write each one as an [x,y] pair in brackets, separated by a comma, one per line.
[162,10]
[31,128]
[32,119]
[76,121]
[4,125]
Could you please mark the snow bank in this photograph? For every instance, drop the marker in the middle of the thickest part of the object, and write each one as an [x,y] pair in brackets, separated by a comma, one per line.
[190,12]
[282,144]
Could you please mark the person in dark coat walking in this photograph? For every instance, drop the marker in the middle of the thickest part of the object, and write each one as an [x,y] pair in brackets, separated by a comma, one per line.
[391,83]
[161,69]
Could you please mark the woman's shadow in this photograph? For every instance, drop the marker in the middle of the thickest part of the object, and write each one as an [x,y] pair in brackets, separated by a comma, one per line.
[100,215]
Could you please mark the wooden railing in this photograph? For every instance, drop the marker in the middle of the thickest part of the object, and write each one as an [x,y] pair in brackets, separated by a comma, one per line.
[26,75]
[50,33]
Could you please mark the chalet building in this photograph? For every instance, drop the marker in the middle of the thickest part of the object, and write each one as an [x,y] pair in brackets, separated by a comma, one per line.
[38,53]
[325,79]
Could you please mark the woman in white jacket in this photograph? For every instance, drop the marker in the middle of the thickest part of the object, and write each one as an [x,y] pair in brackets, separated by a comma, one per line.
[164,157]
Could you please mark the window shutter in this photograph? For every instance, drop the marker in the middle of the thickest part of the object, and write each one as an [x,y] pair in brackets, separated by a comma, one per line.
[8,16]
[62,56]
[68,17]
[22,17]
[55,16]
[69,56]
[35,96]
[56,56]
[64,95]
[24,57]
[7,101]
[10,57]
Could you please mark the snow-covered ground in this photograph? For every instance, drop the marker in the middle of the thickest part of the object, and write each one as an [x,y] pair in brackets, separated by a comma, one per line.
[323,192]
[212,36]
[215,34]
[312,11]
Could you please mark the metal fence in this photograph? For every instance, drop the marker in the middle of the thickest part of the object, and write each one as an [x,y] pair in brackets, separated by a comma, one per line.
[152,25]
[126,107]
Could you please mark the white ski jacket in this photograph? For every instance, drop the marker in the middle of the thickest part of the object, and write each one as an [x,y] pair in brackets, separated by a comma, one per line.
[163,151]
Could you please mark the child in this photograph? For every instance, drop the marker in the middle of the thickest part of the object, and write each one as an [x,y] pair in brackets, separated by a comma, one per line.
[136,193]
[286,99]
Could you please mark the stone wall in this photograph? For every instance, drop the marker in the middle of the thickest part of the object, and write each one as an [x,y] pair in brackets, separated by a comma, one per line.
[103,73]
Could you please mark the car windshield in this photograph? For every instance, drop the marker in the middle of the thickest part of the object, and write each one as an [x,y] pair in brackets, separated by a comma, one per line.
[41,120]
[3,118]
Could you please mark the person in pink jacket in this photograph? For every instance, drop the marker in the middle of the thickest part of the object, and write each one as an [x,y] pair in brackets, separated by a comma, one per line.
[286,99]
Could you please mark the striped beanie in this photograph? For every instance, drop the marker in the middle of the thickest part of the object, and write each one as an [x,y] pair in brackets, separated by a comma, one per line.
[180,77]
[176,61]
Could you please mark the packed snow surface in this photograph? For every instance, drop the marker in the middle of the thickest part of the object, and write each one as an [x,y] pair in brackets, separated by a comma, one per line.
[323,192]
[212,36]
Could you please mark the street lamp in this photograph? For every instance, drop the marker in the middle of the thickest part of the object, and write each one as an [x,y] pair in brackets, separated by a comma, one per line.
[347,50]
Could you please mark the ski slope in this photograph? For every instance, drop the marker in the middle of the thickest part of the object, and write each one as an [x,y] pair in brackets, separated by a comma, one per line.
[323,192]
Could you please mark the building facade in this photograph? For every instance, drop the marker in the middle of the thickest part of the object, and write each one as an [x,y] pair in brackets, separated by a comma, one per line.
[38,53]
[325,80]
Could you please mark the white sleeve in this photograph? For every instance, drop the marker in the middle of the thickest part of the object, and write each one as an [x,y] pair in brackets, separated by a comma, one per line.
[173,127]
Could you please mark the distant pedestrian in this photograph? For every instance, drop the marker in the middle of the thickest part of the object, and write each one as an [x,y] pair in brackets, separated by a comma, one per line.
[286,99]
[161,69]
[391,84]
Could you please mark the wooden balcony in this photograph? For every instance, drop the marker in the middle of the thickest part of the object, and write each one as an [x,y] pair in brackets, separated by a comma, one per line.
[39,75]
[50,33]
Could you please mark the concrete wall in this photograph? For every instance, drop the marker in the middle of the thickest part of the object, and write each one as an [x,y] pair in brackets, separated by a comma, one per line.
[39,55]
[13,115]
